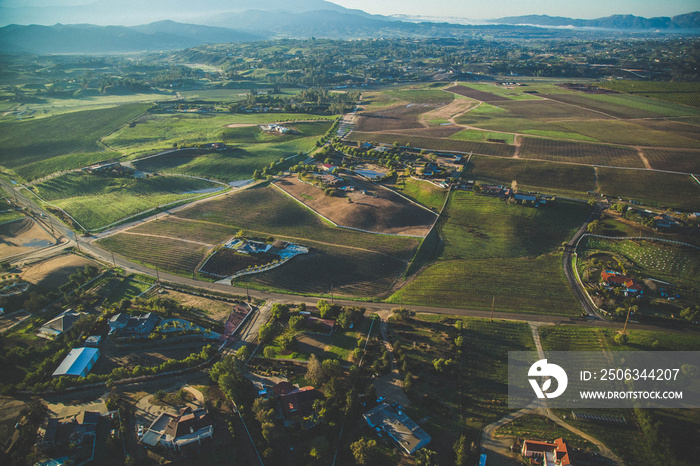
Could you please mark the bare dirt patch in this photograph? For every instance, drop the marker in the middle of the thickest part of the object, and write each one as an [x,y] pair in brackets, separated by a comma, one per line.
[449,111]
[478,95]
[372,209]
[149,356]
[215,309]
[22,236]
[392,118]
[7,321]
[54,272]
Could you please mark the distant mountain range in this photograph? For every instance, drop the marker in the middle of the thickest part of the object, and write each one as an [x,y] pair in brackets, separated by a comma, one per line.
[177,24]
[626,22]
[88,38]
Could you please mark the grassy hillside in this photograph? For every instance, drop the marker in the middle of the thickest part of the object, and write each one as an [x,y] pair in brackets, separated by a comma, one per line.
[29,148]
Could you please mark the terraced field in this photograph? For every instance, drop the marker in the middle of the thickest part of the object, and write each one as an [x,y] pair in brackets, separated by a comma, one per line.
[428,143]
[687,161]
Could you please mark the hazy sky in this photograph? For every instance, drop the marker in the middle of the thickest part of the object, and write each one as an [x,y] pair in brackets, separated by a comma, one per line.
[481,9]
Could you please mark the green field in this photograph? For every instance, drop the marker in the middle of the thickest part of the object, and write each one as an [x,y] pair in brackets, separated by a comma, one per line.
[155,132]
[71,138]
[625,132]
[532,174]
[674,160]
[97,201]
[528,285]
[428,143]
[480,227]
[650,187]
[482,136]
[491,248]
[166,254]
[423,192]
[685,93]
[7,216]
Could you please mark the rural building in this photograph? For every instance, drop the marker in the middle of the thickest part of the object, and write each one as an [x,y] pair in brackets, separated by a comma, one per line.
[613,279]
[275,127]
[492,190]
[402,430]
[329,168]
[299,402]
[247,247]
[190,427]
[60,324]
[74,430]
[550,454]
[78,362]
[133,325]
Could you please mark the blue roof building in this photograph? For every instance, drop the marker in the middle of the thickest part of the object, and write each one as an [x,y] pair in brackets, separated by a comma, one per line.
[78,362]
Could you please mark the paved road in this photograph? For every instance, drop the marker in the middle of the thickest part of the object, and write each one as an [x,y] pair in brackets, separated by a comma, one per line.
[576,286]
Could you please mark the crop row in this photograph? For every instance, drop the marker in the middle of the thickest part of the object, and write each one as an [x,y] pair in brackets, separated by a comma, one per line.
[518,285]
[346,271]
[167,254]
[579,152]
[437,144]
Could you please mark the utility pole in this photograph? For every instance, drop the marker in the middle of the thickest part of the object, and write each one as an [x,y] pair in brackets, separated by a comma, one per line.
[332,302]
[247,294]
[157,275]
[493,303]
[114,263]
[77,241]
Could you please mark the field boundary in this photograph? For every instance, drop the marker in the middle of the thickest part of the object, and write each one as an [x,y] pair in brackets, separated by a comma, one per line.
[345,227]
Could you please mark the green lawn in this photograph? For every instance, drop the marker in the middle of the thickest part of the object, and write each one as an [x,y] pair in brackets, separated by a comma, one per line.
[96,201]
[155,132]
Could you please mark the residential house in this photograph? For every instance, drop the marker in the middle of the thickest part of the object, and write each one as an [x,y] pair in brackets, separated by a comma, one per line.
[60,324]
[128,325]
[629,285]
[399,427]
[299,402]
[189,428]
[550,454]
